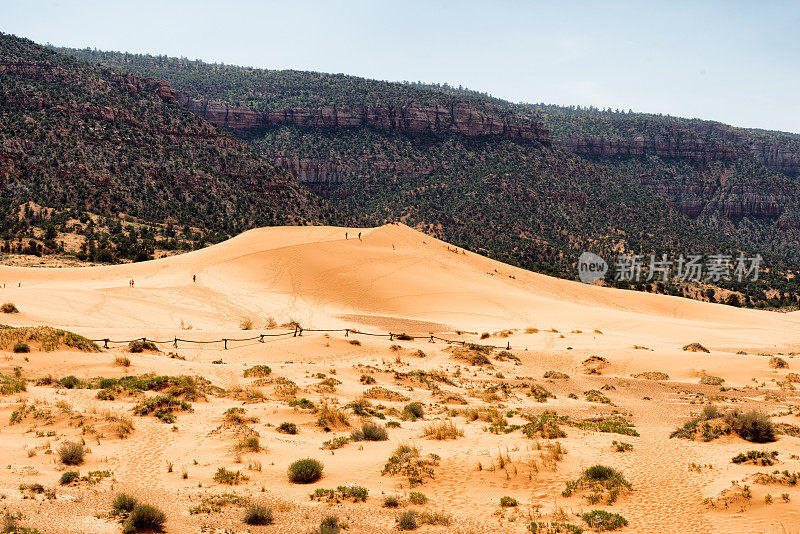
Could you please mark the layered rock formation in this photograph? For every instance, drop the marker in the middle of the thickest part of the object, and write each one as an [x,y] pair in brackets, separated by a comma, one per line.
[311,170]
[456,117]
[679,145]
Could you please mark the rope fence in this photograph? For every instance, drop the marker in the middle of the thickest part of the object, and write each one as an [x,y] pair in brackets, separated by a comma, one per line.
[297,332]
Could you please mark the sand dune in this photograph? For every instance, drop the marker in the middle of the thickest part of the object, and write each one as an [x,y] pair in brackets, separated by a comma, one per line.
[314,275]
[392,279]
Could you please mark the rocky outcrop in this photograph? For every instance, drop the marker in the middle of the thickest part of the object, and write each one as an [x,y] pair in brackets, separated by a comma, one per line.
[710,196]
[678,145]
[458,116]
[776,158]
[310,170]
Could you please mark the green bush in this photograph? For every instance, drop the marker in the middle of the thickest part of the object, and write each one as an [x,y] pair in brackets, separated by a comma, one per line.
[407,520]
[257,371]
[414,410]
[144,517]
[258,514]
[226,476]
[123,503]
[305,471]
[20,347]
[418,498]
[71,453]
[601,520]
[162,407]
[9,307]
[370,432]
[287,428]
[69,477]
[69,382]
[753,426]
[139,345]
[391,501]
[508,502]
[329,525]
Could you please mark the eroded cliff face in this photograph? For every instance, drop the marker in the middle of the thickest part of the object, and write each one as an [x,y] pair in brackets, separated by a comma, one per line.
[457,117]
[712,195]
[676,145]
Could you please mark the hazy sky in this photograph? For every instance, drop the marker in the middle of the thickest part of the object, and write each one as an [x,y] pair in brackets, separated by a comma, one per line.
[735,62]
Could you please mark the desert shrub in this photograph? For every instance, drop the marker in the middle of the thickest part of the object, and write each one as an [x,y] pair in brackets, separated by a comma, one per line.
[391,501]
[249,444]
[712,380]
[330,417]
[68,477]
[329,525]
[336,443]
[122,361]
[139,345]
[601,520]
[305,471]
[144,517]
[406,461]
[355,342]
[508,502]
[540,394]
[553,527]
[9,307]
[600,481]
[257,371]
[695,347]
[621,446]
[162,407]
[442,430]
[418,498]
[71,453]
[778,363]
[232,478]
[20,347]
[558,375]
[123,503]
[258,514]
[545,426]
[762,458]
[287,428]
[404,337]
[303,404]
[435,518]
[11,384]
[370,432]
[70,382]
[367,379]
[652,375]
[414,410]
[392,424]
[407,520]
[595,396]
[753,426]
[246,323]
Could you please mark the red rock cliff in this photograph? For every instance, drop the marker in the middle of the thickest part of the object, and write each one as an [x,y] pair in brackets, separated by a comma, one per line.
[457,117]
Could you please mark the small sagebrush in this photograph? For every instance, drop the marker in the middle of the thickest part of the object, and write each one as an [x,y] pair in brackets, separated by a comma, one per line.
[442,430]
[305,471]
[71,453]
[9,307]
[144,518]
[258,514]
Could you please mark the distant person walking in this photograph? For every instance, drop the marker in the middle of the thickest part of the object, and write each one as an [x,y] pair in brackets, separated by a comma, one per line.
[345,236]
[194,278]
[359,236]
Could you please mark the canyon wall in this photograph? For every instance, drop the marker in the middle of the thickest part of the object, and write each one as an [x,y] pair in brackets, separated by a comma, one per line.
[457,117]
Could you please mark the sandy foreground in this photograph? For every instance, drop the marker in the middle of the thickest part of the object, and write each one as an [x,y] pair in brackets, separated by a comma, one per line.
[392,279]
